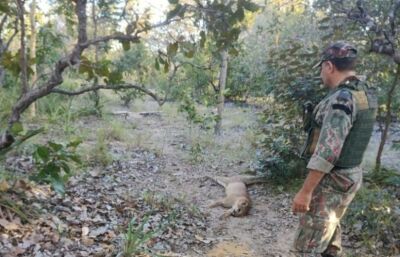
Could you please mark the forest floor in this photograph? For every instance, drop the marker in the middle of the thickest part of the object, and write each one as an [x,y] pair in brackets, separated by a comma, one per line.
[154,177]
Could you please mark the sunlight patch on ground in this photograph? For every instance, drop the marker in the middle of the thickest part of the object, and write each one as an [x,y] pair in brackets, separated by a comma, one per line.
[230,249]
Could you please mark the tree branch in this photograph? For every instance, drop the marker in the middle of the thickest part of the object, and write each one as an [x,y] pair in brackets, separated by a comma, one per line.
[171,76]
[3,21]
[56,77]
[11,38]
[161,24]
[384,40]
[121,37]
[216,89]
[109,87]
[71,59]
[196,66]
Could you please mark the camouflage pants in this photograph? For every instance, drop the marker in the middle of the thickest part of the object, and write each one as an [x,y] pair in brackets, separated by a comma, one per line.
[319,229]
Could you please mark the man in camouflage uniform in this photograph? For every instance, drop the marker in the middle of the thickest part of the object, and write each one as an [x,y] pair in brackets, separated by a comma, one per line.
[339,129]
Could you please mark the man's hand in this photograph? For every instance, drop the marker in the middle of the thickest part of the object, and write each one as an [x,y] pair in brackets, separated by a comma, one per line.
[301,202]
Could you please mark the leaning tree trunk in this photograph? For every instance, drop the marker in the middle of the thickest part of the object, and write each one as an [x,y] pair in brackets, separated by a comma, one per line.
[95,94]
[388,119]
[71,59]
[221,86]
[22,51]
[32,53]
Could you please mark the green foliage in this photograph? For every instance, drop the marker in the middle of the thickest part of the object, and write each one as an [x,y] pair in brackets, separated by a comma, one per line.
[103,69]
[196,153]
[188,107]
[222,22]
[53,163]
[100,154]
[136,237]
[8,96]
[279,145]
[50,42]
[374,219]
[281,51]
[5,7]
[293,78]
[61,110]
[384,178]
[159,202]
[396,145]
[133,66]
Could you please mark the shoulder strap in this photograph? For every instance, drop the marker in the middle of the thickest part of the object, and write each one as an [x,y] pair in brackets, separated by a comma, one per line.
[361,99]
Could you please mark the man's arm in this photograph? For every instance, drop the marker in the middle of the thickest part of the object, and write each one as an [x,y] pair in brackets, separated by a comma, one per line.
[301,202]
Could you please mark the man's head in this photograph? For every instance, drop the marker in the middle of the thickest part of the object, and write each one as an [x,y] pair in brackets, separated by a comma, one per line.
[337,63]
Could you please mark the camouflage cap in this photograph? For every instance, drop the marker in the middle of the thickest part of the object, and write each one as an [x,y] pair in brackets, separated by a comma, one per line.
[337,50]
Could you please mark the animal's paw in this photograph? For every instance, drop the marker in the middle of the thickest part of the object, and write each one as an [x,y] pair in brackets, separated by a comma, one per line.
[225,216]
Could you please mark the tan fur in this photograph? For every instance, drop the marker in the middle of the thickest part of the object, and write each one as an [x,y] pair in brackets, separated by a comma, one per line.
[237,198]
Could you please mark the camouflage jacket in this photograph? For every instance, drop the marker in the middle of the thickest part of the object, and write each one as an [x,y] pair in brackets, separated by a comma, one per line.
[335,116]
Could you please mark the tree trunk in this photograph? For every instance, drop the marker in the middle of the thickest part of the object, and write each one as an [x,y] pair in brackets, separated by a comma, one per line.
[388,119]
[22,51]
[32,53]
[95,95]
[221,85]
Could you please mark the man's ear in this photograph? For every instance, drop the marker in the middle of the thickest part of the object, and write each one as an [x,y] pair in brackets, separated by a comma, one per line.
[331,68]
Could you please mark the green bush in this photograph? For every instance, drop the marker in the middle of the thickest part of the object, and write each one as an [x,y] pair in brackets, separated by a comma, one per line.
[136,238]
[100,153]
[374,219]
[52,162]
[279,146]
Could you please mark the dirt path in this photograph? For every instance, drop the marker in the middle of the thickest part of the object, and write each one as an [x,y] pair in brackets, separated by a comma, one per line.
[266,231]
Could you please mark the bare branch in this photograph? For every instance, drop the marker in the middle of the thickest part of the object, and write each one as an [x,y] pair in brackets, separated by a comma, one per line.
[56,77]
[215,87]
[161,24]
[12,36]
[121,37]
[383,42]
[71,59]
[196,66]
[109,87]
[3,21]
[171,76]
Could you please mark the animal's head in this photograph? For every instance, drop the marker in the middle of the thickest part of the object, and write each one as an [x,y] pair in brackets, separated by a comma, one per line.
[241,207]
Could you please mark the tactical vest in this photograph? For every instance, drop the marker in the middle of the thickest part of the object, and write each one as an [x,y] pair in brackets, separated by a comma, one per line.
[358,138]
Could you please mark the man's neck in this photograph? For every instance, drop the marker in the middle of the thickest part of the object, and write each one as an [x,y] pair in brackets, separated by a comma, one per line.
[341,77]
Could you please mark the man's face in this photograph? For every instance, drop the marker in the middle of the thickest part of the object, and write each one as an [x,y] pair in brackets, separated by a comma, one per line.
[326,73]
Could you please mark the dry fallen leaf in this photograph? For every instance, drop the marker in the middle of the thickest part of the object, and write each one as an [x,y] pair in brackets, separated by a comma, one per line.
[4,186]
[202,239]
[98,231]
[85,231]
[8,225]
[87,241]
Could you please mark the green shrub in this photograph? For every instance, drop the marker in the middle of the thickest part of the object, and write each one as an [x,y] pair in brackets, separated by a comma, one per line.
[374,219]
[101,153]
[279,146]
[52,162]
[136,238]
[384,178]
